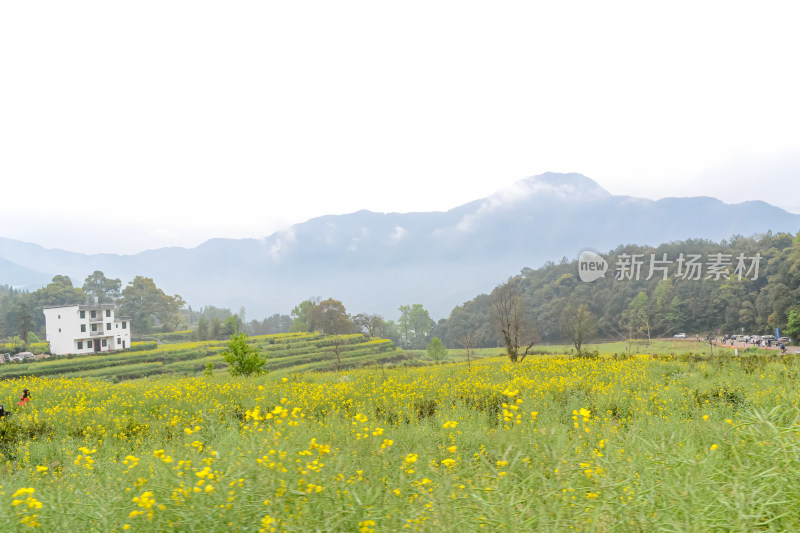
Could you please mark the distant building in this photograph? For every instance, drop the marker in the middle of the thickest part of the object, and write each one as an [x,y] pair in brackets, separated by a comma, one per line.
[82,329]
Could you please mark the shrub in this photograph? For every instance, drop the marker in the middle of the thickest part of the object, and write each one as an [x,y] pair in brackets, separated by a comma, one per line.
[243,359]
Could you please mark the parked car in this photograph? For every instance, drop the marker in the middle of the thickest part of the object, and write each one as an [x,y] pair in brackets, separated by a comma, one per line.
[785,340]
[680,335]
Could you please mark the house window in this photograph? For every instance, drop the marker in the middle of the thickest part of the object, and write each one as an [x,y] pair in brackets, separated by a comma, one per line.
[108,312]
[59,317]
[83,314]
[83,328]
[119,341]
[89,344]
[108,326]
[104,343]
[80,345]
[116,326]
[94,314]
[94,327]
[59,330]
[124,324]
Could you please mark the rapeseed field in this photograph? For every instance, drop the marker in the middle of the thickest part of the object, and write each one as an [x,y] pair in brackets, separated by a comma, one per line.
[552,444]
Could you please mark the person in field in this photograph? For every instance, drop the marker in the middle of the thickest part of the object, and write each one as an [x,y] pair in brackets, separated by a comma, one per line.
[3,413]
[26,397]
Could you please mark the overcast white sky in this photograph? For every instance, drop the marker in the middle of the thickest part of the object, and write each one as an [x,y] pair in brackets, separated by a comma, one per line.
[126,126]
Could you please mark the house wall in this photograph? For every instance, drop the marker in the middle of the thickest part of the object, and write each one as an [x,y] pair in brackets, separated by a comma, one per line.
[77,328]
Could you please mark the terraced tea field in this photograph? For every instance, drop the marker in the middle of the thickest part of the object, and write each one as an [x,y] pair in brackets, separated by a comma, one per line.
[299,352]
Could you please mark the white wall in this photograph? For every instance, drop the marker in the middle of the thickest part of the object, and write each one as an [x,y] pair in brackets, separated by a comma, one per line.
[63,327]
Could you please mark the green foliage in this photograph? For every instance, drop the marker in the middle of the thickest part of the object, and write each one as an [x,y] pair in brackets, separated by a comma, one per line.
[436,349]
[209,370]
[229,327]
[97,285]
[414,326]
[243,359]
[652,306]
[793,325]
[277,323]
[33,338]
[142,300]
[202,333]
[301,315]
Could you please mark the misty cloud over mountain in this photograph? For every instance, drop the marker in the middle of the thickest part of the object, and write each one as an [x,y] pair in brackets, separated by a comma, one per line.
[375,262]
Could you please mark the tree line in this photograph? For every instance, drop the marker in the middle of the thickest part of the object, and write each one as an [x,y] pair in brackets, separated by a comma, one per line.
[21,311]
[554,305]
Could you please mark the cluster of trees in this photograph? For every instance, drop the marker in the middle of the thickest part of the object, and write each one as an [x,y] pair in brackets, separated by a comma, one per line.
[412,330]
[551,303]
[21,311]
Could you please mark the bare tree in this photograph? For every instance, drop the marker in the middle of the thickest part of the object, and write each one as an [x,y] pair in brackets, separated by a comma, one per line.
[336,348]
[468,340]
[578,323]
[508,314]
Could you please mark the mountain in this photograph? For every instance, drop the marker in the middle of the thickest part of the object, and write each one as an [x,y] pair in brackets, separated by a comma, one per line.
[375,262]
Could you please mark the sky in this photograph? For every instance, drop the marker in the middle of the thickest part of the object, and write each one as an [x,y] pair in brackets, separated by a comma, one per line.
[130,126]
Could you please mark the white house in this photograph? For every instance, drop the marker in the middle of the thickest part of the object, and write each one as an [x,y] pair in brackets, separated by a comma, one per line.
[82,329]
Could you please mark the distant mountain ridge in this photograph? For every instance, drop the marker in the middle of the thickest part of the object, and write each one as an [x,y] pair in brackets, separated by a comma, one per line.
[375,262]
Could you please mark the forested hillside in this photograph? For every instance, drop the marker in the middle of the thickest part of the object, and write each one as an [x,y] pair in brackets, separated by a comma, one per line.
[724,300]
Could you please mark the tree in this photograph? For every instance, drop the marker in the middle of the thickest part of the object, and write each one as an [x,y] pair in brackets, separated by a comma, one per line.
[216,327]
[793,325]
[141,300]
[421,324]
[276,323]
[60,291]
[403,325]
[509,318]
[414,326]
[25,320]
[243,359]
[202,329]
[578,323]
[436,349]
[330,317]
[637,316]
[301,315]
[369,325]
[229,327]
[97,285]
[468,340]
[336,347]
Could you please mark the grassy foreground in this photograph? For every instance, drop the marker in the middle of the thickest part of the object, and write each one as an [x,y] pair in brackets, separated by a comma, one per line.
[627,444]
